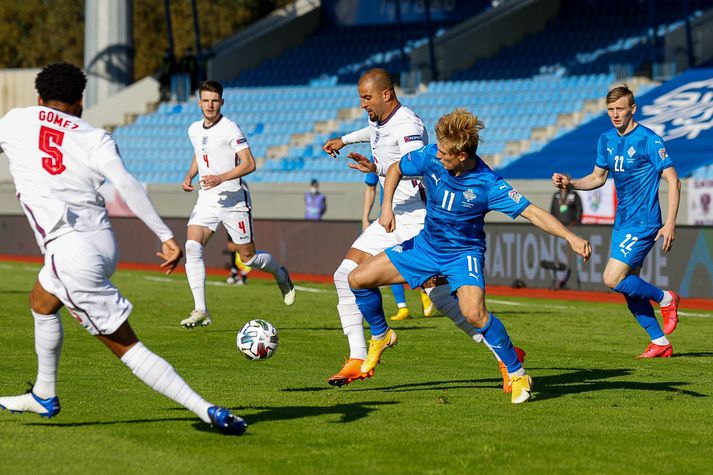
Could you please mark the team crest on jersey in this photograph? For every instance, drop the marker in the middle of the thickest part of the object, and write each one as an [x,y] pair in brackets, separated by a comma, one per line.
[398,248]
[411,138]
[515,196]
[663,154]
[631,151]
[204,143]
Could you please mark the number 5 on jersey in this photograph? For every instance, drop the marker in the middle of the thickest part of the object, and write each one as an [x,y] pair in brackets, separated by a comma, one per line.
[49,140]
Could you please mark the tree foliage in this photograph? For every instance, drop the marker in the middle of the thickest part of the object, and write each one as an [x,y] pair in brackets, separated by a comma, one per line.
[37,32]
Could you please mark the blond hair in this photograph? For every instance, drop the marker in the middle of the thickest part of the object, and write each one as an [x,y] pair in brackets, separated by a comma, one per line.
[459,131]
[619,92]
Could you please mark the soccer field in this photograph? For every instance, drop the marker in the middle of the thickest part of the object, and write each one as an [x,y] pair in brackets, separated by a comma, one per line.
[435,404]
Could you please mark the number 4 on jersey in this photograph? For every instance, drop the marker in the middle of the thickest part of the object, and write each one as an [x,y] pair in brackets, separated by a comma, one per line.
[49,139]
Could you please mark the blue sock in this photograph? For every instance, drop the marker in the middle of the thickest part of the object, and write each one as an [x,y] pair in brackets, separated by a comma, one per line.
[497,337]
[399,293]
[635,286]
[644,314]
[370,305]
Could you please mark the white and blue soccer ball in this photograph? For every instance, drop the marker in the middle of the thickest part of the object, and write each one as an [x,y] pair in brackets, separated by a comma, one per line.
[257,340]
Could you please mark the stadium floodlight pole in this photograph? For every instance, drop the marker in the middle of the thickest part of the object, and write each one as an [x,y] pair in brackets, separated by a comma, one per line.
[169,28]
[197,30]
[431,51]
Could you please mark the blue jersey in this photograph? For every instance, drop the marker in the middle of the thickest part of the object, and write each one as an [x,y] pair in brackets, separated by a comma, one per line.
[635,161]
[456,205]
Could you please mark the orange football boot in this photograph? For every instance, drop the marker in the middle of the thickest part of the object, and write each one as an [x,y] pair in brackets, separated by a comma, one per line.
[670,313]
[507,388]
[351,371]
[657,351]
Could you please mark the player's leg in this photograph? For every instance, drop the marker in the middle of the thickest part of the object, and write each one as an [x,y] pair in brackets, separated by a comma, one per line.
[628,251]
[196,239]
[49,335]
[364,282]
[625,280]
[158,374]
[471,300]
[266,263]
[351,320]
[402,312]
[448,305]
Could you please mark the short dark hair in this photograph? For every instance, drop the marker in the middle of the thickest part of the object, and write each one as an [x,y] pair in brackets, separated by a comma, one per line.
[211,86]
[62,82]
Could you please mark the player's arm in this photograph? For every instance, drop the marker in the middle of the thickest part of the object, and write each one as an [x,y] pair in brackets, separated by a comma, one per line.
[393,177]
[139,203]
[192,172]
[246,165]
[333,146]
[369,196]
[668,231]
[590,182]
[548,223]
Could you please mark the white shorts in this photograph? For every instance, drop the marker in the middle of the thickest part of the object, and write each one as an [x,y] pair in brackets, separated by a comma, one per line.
[77,269]
[375,239]
[233,210]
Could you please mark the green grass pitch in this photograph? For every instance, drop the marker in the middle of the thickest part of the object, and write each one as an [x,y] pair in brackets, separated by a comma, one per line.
[435,404]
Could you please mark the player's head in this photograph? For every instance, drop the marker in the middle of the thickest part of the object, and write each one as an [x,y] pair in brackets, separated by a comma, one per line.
[376,93]
[621,106]
[61,83]
[458,135]
[210,99]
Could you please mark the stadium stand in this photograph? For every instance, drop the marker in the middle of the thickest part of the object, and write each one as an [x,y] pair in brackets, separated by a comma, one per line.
[529,94]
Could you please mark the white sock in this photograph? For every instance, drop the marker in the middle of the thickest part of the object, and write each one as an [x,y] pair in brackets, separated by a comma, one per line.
[402,305]
[195,272]
[49,336]
[265,262]
[667,299]
[662,341]
[163,378]
[349,313]
[448,305]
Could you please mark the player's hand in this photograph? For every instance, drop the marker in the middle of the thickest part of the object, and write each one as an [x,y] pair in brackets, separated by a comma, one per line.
[668,233]
[581,246]
[171,254]
[186,185]
[211,181]
[361,163]
[387,220]
[560,181]
[333,146]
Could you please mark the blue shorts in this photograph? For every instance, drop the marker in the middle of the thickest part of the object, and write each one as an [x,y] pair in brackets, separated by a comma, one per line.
[417,262]
[632,246]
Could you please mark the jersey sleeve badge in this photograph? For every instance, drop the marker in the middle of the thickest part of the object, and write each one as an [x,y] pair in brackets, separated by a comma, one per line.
[663,154]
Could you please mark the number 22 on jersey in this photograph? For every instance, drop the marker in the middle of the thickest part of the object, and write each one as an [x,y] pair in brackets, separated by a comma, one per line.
[49,140]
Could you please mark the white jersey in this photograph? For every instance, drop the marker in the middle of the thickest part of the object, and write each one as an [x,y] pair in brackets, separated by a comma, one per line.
[215,150]
[399,134]
[58,162]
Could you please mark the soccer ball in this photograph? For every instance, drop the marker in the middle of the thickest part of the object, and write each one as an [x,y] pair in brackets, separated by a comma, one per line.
[257,340]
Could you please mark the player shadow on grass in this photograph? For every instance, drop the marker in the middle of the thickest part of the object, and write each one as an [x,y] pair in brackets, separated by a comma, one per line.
[570,381]
[582,380]
[108,423]
[348,412]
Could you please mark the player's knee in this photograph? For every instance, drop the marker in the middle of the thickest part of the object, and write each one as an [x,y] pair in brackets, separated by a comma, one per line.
[246,256]
[356,280]
[193,249]
[476,317]
[611,280]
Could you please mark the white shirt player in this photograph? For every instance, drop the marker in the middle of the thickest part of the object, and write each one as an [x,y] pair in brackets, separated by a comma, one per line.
[391,139]
[215,149]
[58,162]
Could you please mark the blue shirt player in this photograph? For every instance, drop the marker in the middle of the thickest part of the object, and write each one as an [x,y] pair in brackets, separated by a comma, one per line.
[461,190]
[636,158]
